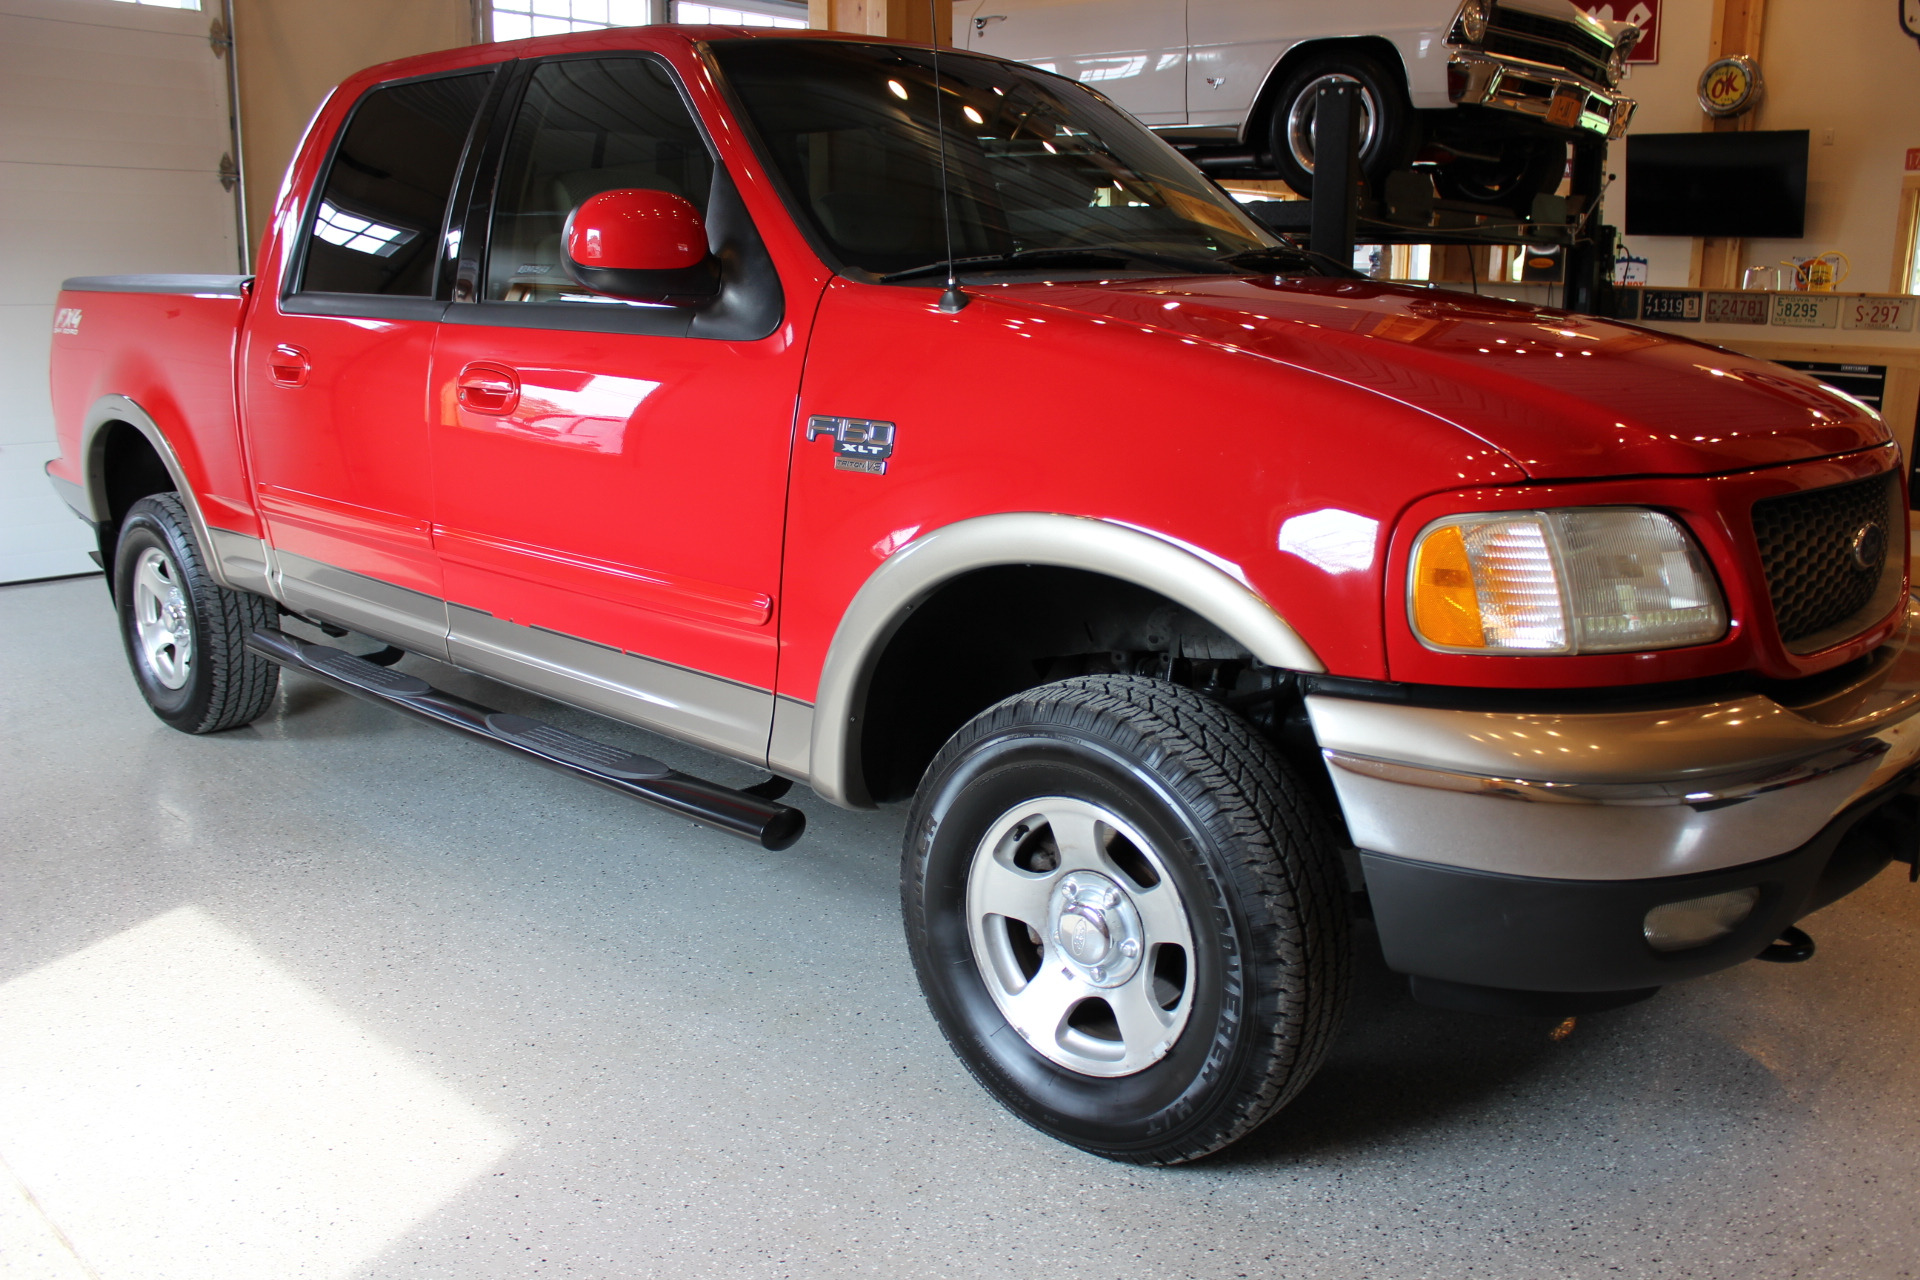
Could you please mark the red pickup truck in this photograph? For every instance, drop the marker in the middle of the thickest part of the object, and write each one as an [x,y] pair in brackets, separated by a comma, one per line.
[920,427]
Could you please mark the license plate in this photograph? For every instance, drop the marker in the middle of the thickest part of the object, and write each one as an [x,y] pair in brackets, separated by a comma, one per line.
[1564,111]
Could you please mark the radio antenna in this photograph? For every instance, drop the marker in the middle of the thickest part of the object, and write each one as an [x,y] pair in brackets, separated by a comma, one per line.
[951,299]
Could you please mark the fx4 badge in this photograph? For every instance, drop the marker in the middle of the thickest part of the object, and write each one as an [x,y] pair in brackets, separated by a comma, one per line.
[859,444]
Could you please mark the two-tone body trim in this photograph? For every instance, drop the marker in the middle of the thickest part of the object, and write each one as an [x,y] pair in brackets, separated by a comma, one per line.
[910,575]
[707,711]
[1662,790]
[235,560]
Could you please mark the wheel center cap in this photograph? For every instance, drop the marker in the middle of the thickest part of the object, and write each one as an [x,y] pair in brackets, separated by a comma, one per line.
[1084,933]
[1096,929]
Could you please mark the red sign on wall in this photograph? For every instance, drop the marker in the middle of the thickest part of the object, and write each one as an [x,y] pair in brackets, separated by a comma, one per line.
[1644,14]
[1913,159]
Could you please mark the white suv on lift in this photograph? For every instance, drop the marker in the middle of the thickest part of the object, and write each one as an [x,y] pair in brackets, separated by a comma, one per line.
[1488,92]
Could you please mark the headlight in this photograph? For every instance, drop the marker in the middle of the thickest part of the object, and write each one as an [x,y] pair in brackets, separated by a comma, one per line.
[1579,580]
[1470,24]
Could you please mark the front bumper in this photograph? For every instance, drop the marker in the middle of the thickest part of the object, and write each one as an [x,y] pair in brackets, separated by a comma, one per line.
[1517,850]
[1530,88]
[1461,933]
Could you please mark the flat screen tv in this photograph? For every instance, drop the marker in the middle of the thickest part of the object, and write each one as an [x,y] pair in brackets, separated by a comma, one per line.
[1749,185]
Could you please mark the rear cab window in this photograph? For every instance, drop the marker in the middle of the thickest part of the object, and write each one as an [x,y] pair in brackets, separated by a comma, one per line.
[379,225]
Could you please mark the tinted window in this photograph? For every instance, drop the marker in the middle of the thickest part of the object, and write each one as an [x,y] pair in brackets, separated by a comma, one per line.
[1035,164]
[586,125]
[378,226]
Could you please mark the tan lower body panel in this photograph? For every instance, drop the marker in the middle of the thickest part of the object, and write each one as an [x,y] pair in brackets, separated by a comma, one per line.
[719,715]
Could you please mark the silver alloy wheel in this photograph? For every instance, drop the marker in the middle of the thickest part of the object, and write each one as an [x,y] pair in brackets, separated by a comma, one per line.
[162,619]
[1300,117]
[1080,936]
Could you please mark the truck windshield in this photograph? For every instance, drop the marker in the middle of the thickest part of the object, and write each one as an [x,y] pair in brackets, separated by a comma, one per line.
[1042,175]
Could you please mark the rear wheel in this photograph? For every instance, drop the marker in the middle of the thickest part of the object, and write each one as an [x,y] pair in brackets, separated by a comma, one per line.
[185,633]
[1526,168]
[1127,916]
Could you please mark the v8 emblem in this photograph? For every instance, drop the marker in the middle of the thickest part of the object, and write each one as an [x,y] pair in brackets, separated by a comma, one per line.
[859,444]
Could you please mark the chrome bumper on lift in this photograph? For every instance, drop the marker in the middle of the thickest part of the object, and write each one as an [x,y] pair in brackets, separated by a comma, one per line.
[1529,88]
[1631,808]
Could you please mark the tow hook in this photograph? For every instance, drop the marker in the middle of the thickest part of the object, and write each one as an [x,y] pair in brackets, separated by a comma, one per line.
[1791,947]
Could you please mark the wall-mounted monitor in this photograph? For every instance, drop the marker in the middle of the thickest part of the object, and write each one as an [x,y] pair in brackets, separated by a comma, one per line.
[1750,185]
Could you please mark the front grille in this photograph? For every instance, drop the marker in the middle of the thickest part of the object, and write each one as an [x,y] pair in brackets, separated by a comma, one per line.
[1807,547]
[1515,33]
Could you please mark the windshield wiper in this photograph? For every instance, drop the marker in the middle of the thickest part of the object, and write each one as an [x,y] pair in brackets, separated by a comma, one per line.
[1293,256]
[1091,255]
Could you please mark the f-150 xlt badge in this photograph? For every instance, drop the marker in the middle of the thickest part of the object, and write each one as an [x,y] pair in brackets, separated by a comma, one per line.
[859,444]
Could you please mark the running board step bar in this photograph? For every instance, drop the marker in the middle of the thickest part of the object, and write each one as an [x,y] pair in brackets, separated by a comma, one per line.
[752,813]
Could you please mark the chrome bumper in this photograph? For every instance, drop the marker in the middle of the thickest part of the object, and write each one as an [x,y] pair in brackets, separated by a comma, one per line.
[1529,88]
[1620,795]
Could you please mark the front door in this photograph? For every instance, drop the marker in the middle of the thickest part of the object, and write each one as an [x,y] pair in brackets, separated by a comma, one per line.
[1134,51]
[609,477]
[333,370]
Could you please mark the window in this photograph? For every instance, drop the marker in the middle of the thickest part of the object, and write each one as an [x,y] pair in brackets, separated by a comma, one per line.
[166,4]
[586,125]
[378,225]
[734,16]
[518,19]
[1906,245]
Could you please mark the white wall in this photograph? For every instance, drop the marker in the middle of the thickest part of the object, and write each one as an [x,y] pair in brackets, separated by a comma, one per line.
[113,118]
[1840,65]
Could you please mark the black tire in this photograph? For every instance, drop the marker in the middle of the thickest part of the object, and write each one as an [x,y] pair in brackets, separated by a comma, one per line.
[1526,168]
[1395,135]
[1257,877]
[204,680]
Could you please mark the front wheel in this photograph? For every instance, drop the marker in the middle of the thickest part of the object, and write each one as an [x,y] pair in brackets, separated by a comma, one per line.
[185,633]
[1389,127]
[1127,916]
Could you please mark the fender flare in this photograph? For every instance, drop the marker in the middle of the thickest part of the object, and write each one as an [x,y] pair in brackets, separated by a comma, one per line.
[1269,83]
[118,408]
[1208,585]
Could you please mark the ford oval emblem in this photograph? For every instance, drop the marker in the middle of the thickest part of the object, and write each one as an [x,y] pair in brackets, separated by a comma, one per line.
[1869,546]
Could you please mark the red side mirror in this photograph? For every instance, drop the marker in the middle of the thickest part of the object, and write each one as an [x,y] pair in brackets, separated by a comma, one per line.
[634,243]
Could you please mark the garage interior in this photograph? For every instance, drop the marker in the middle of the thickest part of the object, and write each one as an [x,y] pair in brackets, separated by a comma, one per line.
[337,995]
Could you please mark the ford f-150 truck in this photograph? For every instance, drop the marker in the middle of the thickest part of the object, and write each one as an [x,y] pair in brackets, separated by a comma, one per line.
[919,427]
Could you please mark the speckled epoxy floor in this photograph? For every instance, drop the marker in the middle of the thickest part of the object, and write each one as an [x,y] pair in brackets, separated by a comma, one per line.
[341,995]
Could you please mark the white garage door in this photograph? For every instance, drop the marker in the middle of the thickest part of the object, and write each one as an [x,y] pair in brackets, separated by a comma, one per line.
[113,119]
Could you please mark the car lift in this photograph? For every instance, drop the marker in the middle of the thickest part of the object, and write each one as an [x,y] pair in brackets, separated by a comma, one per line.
[1406,211]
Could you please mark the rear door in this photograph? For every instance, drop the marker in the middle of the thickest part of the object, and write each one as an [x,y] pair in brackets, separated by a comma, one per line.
[333,365]
[610,477]
[1134,51]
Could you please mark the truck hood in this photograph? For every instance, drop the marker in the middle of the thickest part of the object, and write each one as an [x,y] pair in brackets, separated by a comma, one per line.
[1564,396]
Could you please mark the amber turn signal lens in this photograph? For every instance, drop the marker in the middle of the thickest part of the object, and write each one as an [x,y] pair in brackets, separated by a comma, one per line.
[1446,608]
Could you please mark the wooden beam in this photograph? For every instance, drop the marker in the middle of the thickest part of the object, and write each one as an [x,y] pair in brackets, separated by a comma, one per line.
[918,20]
[1737,28]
